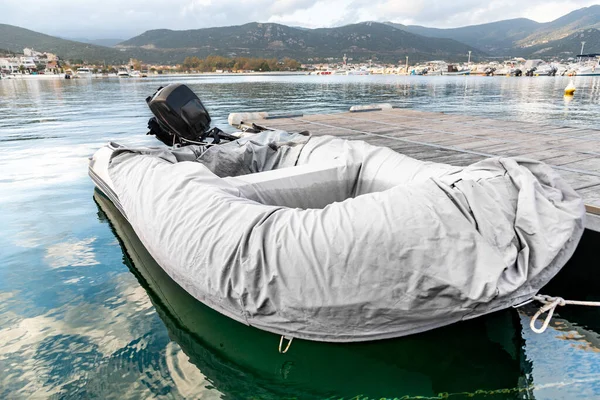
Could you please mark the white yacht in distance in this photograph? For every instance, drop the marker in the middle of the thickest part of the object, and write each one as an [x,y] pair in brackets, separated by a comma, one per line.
[361,71]
[135,74]
[587,65]
[123,72]
[587,70]
[84,72]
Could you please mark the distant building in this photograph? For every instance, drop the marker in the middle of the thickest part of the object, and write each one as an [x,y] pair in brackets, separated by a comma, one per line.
[51,57]
[27,52]
[29,63]
[9,65]
[52,67]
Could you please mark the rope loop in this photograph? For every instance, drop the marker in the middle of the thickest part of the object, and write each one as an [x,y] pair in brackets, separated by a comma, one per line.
[549,305]
[288,344]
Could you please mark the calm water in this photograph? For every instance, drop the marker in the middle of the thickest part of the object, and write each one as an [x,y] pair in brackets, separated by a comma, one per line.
[85,312]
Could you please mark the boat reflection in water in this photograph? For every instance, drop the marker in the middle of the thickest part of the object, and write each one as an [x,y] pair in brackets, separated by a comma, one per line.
[484,355]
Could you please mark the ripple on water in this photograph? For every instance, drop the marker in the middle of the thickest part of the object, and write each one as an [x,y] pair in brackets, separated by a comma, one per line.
[75,322]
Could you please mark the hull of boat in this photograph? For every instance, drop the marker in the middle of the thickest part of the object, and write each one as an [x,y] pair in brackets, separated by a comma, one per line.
[457,73]
[321,187]
[243,362]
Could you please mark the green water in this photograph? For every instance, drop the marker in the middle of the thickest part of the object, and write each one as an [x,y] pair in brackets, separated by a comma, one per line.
[86,313]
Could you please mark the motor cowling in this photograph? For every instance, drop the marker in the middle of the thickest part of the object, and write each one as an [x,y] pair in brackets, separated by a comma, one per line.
[179,117]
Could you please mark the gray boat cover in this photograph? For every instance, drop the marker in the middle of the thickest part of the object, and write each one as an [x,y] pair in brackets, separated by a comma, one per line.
[332,240]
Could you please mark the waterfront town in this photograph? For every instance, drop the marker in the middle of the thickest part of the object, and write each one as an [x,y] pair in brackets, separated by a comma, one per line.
[34,64]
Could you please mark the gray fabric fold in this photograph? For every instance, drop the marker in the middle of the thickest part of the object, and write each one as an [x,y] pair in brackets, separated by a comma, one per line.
[402,245]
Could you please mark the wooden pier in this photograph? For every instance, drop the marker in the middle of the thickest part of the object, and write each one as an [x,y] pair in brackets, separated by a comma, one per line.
[462,140]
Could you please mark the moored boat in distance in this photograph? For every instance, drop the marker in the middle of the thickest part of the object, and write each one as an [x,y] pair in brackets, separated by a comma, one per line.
[587,65]
[84,72]
[123,72]
[587,71]
[456,70]
[357,72]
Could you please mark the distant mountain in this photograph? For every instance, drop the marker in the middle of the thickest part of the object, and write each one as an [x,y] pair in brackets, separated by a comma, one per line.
[584,18]
[386,42]
[509,37]
[569,46]
[98,42]
[359,41]
[494,37]
[15,39]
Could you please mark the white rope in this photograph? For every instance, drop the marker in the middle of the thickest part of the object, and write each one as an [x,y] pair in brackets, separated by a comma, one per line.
[549,305]
[288,344]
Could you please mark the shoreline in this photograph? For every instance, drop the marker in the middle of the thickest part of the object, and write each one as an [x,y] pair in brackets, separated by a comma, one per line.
[232,74]
[101,76]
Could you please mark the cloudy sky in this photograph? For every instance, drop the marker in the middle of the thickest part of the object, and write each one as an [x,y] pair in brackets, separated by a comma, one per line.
[127,18]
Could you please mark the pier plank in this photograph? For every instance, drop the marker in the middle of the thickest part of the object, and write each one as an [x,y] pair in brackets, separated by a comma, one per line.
[462,140]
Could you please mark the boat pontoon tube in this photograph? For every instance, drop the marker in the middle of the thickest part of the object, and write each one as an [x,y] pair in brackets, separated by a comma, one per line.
[332,240]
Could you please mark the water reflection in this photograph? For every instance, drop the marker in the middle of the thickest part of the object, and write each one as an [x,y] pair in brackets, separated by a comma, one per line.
[565,360]
[75,321]
[54,353]
[71,253]
[240,361]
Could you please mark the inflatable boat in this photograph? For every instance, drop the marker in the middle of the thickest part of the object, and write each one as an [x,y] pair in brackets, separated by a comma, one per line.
[332,240]
[242,362]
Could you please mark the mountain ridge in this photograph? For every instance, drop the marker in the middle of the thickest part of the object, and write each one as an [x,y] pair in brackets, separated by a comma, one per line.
[489,37]
[385,42]
[584,18]
[362,40]
[106,42]
[506,37]
[15,39]
[565,47]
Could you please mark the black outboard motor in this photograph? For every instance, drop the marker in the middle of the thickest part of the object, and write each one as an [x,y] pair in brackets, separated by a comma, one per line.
[181,118]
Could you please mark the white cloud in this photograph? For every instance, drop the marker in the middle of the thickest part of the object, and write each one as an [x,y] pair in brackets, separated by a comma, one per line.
[187,378]
[102,327]
[126,19]
[79,330]
[71,254]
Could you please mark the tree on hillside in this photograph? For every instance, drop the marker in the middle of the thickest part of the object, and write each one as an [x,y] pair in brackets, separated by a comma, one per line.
[213,63]
[136,64]
[264,66]
[290,64]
